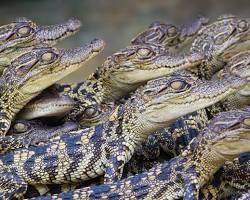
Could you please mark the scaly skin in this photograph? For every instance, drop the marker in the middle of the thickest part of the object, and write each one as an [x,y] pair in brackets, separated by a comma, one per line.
[174,139]
[105,148]
[20,36]
[36,70]
[184,175]
[170,36]
[232,181]
[25,133]
[125,70]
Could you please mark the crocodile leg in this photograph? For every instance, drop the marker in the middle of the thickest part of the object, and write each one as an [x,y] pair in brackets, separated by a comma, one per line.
[12,186]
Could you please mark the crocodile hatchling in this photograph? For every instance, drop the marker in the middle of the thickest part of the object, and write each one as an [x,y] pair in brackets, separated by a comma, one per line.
[170,36]
[125,70]
[176,137]
[233,176]
[224,138]
[20,36]
[105,148]
[51,103]
[36,70]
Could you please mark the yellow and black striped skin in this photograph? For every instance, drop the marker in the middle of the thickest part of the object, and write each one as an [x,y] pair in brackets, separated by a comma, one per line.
[105,148]
[183,175]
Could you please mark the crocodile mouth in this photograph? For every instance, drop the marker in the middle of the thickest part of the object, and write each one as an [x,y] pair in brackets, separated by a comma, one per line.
[70,60]
[46,77]
[140,75]
[164,111]
[229,145]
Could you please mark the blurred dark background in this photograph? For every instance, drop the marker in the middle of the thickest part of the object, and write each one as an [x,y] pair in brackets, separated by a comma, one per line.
[115,21]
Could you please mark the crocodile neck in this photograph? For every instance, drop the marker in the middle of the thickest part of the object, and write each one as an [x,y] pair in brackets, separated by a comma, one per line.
[205,160]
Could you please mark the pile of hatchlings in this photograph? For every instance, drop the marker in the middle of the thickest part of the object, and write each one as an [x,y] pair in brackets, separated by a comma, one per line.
[37,112]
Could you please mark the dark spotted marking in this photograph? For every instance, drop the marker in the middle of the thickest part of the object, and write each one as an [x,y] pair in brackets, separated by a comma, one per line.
[244,157]
[97,134]
[141,189]
[51,163]
[98,191]
[114,196]
[7,159]
[65,195]
[3,125]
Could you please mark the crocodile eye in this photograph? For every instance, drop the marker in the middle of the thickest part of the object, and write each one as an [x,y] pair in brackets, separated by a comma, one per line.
[247,121]
[172,31]
[243,26]
[206,47]
[90,111]
[219,40]
[179,85]
[144,53]
[20,127]
[48,56]
[24,31]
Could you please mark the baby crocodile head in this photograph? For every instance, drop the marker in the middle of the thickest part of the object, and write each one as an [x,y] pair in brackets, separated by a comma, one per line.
[225,138]
[164,99]
[168,35]
[25,33]
[134,65]
[36,70]
[158,33]
[41,67]
[238,65]
[224,37]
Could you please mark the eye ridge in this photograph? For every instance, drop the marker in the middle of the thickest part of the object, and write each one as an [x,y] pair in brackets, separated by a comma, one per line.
[24,31]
